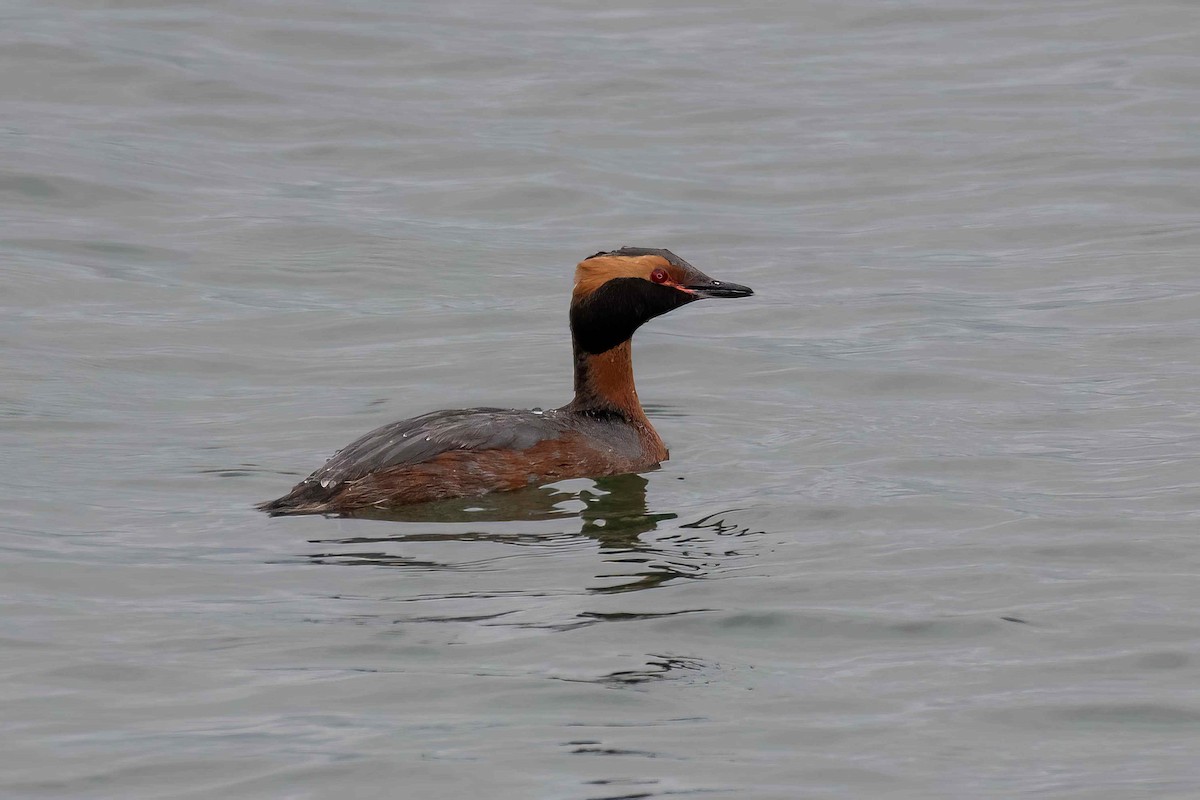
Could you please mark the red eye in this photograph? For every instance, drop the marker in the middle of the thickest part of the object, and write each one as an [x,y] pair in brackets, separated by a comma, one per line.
[659,275]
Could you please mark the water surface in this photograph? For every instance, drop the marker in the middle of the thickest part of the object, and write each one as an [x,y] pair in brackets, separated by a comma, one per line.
[929,524]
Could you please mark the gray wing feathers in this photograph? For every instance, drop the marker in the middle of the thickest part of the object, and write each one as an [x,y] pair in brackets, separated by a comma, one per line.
[416,440]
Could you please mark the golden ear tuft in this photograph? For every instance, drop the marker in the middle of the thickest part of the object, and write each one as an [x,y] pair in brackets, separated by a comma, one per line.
[594,272]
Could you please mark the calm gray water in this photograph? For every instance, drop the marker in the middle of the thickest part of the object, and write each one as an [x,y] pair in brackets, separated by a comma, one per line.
[930,524]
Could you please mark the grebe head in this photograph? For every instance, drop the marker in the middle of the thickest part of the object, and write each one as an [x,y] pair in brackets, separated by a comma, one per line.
[616,291]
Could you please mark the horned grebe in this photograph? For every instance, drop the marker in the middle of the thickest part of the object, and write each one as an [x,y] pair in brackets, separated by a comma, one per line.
[602,431]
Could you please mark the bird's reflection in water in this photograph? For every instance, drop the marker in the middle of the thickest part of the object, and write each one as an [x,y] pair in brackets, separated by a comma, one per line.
[611,511]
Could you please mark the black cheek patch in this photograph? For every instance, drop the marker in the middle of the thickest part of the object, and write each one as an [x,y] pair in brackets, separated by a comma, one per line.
[610,315]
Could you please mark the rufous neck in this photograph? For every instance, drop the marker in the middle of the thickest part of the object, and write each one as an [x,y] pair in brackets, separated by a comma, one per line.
[604,383]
